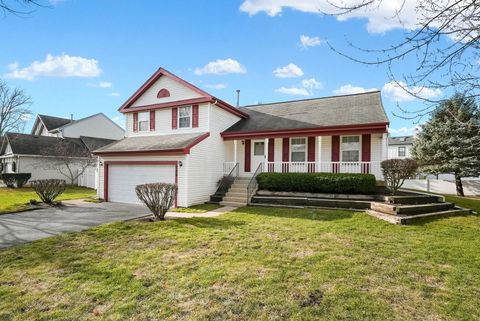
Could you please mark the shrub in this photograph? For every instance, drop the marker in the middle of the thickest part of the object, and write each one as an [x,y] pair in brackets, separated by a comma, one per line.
[318,182]
[396,171]
[15,179]
[48,189]
[158,197]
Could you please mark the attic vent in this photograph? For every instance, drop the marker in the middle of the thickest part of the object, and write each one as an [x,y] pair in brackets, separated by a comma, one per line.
[163,93]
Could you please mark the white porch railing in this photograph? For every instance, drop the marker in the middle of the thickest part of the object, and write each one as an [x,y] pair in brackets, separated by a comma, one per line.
[325,167]
[227,167]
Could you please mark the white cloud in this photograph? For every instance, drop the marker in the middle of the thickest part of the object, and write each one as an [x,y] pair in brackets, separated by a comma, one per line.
[288,71]
[221,67]
[293,91]
[56,66]
[399,91]
[101,84]
[307,88]
[114,94]
[306,41]
[216,86]
[349,89]
[404,131]
[381,15]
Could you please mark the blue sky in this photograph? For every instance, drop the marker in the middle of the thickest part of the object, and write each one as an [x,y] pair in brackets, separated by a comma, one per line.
[83,57]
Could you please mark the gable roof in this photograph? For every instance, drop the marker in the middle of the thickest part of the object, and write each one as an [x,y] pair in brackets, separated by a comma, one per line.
[26,144]
[94,143]
[328,112]
[205,97]
[52,122]
[401,140]
[176,143]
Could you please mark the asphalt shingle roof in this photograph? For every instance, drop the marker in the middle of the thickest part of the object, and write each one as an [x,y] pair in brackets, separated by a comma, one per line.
[52,122]
[400,140]
[94,143]
[26,144]
[157,143]
[364,108]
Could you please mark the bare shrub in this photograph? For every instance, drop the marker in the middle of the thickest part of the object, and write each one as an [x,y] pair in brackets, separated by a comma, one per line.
[158,197]
[396,171]
[48,189]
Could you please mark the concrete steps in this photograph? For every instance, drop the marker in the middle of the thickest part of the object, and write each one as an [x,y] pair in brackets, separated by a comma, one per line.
[237,194]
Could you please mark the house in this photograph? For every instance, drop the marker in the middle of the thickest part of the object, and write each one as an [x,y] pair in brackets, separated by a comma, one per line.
[52,138]
[178,133]
[400,147]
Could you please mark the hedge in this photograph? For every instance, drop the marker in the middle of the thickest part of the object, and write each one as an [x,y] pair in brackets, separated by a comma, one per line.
[317,183]
[12,179]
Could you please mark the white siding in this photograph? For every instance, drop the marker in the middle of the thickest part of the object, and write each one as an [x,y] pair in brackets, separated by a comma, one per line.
[163,123]
[96,126]
[176,89]
[393,151]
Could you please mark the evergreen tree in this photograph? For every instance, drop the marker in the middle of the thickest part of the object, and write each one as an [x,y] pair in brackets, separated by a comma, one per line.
[450,141]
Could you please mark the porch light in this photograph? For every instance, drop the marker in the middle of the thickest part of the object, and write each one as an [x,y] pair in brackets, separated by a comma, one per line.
[180,163]
[243,142]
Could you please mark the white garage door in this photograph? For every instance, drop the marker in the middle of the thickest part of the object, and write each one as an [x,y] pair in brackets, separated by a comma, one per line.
[122,180]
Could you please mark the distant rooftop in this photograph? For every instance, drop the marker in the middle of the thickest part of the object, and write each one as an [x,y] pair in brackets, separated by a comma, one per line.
[400,140]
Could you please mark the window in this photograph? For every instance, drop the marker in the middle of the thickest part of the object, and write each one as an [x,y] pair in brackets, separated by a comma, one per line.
[298,147]
[401,151]
[185,117]
[144,121]
[258,148]
[350,148]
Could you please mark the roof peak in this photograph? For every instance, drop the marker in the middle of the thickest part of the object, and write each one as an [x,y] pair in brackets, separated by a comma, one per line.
[311,99]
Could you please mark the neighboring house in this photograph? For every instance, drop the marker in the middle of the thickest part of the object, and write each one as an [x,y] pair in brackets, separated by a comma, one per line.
[51,138]
[177,133]
[400,147]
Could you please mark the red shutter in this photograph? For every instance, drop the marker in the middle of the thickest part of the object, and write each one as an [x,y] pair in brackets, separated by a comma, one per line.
[271,154]
[174,118]
[366,153]
[195,116]
[248,152]
[311,154]
[152,120]
[335,153]
[285,153]
[135,122]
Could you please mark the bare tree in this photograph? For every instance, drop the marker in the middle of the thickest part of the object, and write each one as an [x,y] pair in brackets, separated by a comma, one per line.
[19,7]
[69,158]
[14,109]
[443,44]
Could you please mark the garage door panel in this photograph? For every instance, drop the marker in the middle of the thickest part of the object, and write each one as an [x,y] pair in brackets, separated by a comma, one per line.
[122,180]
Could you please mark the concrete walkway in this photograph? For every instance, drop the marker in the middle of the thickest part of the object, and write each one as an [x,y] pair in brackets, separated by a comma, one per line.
[213,213]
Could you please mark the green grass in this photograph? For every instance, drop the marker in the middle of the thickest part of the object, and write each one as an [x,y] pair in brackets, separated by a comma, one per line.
[17,199]
[201,208]
[251,264]
[466,202]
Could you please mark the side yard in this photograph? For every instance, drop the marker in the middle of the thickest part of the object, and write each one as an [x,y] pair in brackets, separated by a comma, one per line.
[250,264]
[16,199]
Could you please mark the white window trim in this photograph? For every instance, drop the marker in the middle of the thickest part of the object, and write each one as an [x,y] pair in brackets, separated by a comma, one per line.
[290,148]
[404,151]
[359,148]
[253,147]
[191,117]
[147,121]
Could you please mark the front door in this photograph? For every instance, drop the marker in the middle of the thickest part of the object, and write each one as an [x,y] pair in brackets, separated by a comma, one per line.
[258,153]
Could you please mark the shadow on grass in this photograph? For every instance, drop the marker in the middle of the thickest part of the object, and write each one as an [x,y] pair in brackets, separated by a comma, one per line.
[300,213]
[207,223]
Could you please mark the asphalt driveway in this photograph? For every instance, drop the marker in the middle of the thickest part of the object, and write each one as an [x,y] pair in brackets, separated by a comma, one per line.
[25,227]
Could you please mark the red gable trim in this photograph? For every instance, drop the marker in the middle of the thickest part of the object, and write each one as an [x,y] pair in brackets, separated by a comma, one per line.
[162,72]
[162,152]
[318,131]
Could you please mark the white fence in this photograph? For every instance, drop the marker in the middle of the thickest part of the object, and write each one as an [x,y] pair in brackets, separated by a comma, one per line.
[471,187]
[89,178]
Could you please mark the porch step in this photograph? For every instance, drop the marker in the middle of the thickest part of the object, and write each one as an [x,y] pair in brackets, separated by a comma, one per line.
[236,194]
[395,209]
[234,204]
[235,199]
[239,185]
[237,190]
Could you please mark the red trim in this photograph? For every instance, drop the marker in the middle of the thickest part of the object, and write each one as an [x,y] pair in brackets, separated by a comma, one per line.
[248,155]
[194,116]
[311,153]
[358,129]
[174,118]
[162,72]
[108,163]
[285,154]
[366,152]
[271,153]
[178,103]
[135,122]
[152,120]
[335,153]
[162,93]
[162,152]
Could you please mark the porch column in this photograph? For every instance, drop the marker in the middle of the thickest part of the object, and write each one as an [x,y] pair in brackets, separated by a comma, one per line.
[265,155]
[235,151]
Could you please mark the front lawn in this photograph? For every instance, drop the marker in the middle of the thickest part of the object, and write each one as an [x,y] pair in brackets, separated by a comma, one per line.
[251,264]
[201,208]
[466,202]
[16,199]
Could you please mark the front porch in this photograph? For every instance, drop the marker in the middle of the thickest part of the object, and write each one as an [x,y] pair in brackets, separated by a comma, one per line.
[352,153]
